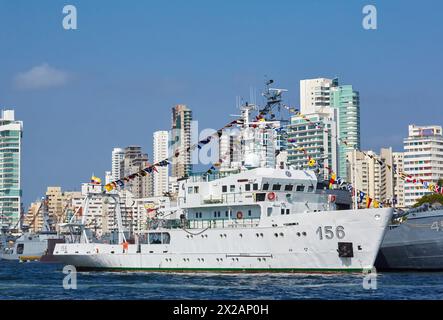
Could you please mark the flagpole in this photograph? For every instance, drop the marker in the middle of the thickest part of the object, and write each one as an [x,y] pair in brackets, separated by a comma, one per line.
[354,169]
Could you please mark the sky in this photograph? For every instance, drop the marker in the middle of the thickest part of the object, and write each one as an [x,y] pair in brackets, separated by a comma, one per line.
[112,82]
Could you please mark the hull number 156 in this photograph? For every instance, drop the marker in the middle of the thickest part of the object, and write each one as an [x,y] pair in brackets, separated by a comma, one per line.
[327,232]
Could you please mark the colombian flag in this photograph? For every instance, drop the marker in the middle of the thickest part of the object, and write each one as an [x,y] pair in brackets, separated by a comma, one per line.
[96,180]
[332,180]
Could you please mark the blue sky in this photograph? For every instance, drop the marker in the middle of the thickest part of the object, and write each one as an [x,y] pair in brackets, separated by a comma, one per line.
[113,81]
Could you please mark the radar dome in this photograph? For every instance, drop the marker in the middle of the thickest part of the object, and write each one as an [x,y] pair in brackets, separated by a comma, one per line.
[252,160]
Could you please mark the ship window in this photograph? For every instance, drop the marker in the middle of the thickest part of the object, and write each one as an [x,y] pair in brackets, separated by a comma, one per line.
[289,187]
[269,211]
[20,248]
[196,215]
[266,187]
[287,211]
[155,238]
[232,188]
[301,188]
[218,214]
[249,213]
[215,214]
[282,211]
[276,187]
[166,238]
[255,186]
[196,189]
[226,214]
[224,188]
[248,187]
[310,188]
[259,197]
[189,190]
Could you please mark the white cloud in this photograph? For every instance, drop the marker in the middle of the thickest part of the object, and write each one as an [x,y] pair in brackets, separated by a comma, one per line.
[39,77]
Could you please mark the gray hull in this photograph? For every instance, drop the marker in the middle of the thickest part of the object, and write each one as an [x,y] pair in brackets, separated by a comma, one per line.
[416,244]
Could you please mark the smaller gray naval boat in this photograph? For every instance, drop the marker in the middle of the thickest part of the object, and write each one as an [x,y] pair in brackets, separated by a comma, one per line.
[414,240]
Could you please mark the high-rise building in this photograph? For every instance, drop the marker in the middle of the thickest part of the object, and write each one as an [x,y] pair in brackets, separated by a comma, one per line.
[118,155]
[11,132]
[181,141]
[372,174]
[34,218]
[134,161]
[423,153]
[160,150]
[55,198]
[347,101]
[318,95]
[308,140]
[399,183]
[315,94]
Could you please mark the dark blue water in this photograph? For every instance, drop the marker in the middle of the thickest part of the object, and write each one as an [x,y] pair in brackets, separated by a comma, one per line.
[44,281]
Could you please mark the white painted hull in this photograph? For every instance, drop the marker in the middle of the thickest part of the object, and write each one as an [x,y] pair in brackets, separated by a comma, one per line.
[298,246]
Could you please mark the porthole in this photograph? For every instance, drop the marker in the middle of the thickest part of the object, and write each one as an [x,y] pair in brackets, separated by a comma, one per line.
[281,234]
[276,235]
[298,234]
[304,233]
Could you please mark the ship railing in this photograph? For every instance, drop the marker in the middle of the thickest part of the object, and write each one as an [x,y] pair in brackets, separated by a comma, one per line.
[223,223]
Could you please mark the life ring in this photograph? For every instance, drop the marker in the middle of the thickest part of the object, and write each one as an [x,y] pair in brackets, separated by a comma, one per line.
[271,196]
[239,215]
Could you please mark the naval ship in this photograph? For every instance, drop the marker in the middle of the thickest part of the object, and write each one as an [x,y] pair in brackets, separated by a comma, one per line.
[259,220]
[414,241]
[32,246]
[256,218]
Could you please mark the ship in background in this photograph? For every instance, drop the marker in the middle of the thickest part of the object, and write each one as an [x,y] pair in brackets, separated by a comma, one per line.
[32,246]
[414,240]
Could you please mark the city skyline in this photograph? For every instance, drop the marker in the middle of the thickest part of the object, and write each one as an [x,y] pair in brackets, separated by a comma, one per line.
[108,106]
